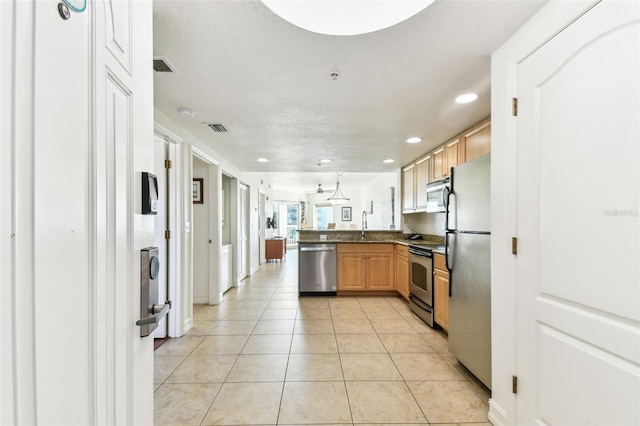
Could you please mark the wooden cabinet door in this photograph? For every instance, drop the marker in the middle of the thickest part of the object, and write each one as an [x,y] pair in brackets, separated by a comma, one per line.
[402,276]
[380,271]
[441,298]
[476,141]
[351,271]
[422,176]
[438,164]
[451,155]
[408,189]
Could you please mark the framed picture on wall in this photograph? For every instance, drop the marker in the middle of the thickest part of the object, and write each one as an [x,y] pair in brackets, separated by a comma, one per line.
[198,184]
[346,214]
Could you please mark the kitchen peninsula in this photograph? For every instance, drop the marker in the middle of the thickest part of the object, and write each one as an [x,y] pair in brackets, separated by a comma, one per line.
[370,265]
[370,237]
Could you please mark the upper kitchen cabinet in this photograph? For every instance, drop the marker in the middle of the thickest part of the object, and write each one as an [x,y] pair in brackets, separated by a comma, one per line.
[415,178]
[408,189]
[476,141]
[451,155]
[438,162]
[445,156]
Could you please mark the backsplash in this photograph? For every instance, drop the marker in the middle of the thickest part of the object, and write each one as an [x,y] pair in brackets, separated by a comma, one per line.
[424,223]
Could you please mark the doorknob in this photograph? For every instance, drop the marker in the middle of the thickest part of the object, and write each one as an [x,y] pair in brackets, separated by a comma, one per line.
[158,311]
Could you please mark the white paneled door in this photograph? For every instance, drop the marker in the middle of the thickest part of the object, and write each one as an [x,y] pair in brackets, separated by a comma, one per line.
[578,186]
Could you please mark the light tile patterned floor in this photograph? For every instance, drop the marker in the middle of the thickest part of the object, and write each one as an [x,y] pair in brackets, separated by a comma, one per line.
[266,357]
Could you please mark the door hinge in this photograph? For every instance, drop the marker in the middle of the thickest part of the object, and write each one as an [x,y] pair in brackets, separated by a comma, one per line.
[514,245]
[514,107]
[168,164]
[514,384]
[167,235]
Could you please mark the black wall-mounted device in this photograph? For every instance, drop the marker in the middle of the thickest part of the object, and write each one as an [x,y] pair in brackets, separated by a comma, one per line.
[149,193]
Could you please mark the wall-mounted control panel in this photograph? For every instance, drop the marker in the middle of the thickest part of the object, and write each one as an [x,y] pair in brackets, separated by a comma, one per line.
[150,312]
[149,193]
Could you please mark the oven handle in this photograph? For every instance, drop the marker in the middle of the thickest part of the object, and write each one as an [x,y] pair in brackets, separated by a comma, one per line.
[420,303]
[421,253]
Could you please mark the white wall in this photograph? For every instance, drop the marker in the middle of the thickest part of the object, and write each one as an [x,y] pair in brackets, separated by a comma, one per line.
[377,191]
[423,223]
[201,238]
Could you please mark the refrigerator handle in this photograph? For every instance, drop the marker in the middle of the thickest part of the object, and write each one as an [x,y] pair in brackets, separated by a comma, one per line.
[447,204]
[446,259]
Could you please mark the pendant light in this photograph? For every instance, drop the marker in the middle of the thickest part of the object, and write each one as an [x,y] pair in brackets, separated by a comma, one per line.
[338,197]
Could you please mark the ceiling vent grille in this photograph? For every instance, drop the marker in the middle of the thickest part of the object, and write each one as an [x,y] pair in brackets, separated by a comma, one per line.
[218,128]
[162,64]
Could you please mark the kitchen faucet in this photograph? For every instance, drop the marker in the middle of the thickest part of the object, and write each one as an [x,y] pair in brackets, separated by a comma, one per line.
[364,222]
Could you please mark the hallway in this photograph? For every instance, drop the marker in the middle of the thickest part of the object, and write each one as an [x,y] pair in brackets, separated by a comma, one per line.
[264,356]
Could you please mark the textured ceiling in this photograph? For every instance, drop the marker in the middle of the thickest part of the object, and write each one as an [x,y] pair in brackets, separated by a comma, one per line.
[268,82]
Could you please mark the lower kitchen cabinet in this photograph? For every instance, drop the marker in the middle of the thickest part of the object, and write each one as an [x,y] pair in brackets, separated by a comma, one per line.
[364,267]
[402,271]
[441,291]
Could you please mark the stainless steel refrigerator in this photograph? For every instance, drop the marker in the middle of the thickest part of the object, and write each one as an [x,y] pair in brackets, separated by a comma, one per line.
[468,247]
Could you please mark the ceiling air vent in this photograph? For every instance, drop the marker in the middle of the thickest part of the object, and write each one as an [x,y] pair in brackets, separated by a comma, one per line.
[162,64]
[218,128]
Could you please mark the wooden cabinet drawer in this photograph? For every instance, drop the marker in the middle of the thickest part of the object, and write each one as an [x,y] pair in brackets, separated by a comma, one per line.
[402,250]
[365,248]
[439,262]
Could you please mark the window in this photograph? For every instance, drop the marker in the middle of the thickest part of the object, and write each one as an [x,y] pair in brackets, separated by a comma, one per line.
[324,216]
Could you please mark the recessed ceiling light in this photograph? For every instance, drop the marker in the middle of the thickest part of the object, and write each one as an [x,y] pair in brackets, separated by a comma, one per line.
[325,160]
[414,140]
[388,160]
[263,160]
[466,98]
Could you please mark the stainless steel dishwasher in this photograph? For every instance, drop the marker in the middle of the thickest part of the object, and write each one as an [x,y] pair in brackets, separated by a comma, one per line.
[317,269]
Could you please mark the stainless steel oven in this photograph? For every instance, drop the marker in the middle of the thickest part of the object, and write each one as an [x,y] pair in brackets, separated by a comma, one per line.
[421,283]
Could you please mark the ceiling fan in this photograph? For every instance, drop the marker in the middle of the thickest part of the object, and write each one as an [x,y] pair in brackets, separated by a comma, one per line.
[320,190]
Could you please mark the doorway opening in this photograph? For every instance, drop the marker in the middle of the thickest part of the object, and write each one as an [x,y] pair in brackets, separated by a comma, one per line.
[286,221]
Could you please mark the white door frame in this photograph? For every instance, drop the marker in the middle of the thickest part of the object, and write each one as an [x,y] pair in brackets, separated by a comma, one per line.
[173,246]
[262,226]
[214,214]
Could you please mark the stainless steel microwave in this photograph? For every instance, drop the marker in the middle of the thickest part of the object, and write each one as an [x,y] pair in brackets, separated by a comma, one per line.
[435,196]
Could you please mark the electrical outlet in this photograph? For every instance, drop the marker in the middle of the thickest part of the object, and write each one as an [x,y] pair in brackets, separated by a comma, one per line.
[323,237]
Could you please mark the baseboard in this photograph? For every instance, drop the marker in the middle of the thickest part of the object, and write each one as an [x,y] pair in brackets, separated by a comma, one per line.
[497,416]
[187,326]
[254,270]
[200,300]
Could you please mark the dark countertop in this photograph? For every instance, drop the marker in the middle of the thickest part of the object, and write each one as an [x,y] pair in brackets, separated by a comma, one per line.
[435,247]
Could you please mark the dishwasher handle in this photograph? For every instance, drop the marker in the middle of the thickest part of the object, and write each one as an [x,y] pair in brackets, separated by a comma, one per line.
[317,248]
